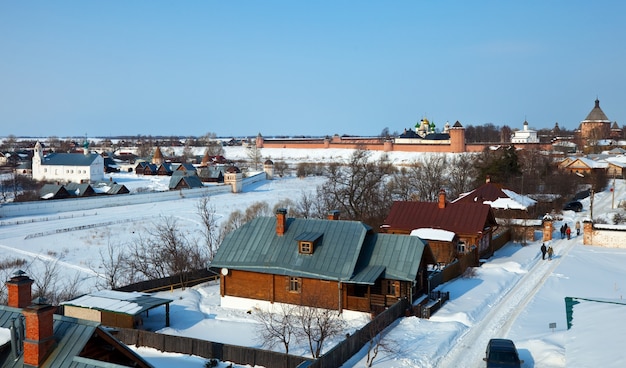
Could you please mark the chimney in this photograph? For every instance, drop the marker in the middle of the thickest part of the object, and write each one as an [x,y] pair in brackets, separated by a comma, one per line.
[281,221]
[19,290]
[333,215]
[488,179]
[39,336]
[442,198]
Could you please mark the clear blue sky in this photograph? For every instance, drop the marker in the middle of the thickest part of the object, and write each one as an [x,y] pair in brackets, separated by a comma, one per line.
[103,68]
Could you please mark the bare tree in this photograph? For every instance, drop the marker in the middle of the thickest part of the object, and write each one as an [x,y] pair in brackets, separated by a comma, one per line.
[377,341]
[309,205]
[46,281]
[254,154]
[318,325]
[357,189]
[276,326]
[462,174]
[113,265]
[210,229]
[165,251]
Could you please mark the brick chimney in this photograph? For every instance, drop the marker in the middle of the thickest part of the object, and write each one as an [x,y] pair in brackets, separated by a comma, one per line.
[281,221]
[333,215]
[442,198]
[38,336]
[19,290]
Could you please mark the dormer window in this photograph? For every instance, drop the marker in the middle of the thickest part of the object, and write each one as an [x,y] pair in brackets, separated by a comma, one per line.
[306,247]
[308,241]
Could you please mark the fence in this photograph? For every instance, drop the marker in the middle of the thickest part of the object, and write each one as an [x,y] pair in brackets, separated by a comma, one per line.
[189,279]
[433,303]
[352,344]
[208,349]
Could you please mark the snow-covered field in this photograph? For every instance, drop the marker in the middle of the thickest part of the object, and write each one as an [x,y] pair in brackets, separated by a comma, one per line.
[514,294]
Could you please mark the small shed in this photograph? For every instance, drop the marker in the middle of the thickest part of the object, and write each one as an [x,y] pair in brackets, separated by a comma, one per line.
[79,189]
[115,308]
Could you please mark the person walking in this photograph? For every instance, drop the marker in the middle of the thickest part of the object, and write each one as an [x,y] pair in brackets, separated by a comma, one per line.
[562,231]
[577,226]
[550,253]
[568,231]
[543,251]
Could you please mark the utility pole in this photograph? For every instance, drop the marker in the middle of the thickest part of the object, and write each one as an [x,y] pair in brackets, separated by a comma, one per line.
[613,192]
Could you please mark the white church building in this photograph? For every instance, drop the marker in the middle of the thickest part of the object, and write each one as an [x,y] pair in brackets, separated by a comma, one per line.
[525,135]
[67,167]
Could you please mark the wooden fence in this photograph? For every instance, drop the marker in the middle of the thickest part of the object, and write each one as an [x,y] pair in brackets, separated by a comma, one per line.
[188,279]
[352,344]
[208,349]
[430,305]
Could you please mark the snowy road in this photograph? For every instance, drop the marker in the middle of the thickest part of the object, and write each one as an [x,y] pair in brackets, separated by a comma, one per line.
[469,350]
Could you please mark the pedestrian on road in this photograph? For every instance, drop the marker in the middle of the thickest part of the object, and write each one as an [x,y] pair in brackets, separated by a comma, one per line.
[562,231]
[550,253]
[543,251]
[577,228]
[568,231]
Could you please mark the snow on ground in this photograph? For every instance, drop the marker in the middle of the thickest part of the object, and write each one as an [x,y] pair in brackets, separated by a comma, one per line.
[514,294]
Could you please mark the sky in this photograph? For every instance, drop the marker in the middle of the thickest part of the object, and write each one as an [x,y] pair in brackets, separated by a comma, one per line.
[514,294]
[109,68]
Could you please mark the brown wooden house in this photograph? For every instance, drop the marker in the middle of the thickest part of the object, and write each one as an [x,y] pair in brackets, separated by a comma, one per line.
[473,222]
[327,263]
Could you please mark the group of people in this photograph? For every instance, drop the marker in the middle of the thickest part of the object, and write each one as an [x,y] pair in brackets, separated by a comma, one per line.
[549,251]
[567,231]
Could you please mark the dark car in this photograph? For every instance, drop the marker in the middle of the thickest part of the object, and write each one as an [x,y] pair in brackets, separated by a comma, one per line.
[573,206]
[501,353]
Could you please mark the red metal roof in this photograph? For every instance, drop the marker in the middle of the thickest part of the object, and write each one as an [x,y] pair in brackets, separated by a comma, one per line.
[460,218]
[486,192]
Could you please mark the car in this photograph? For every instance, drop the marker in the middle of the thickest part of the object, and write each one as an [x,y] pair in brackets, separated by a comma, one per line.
[501,353]
[573,206]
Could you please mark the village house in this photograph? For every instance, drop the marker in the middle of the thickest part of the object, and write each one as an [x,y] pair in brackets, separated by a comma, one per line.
[474,223]
[67,167]
[37,337]
[328,263]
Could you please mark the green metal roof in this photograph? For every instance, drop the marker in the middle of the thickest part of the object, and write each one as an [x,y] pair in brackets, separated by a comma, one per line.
[256,247]
[344,250]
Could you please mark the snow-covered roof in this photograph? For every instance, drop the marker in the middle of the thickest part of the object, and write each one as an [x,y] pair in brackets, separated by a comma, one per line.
[118,301]
[513,202]
[433,234]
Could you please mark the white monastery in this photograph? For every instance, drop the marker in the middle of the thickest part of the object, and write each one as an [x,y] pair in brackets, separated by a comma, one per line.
[68,167]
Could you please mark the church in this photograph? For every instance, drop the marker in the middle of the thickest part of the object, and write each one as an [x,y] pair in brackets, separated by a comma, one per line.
[68,167]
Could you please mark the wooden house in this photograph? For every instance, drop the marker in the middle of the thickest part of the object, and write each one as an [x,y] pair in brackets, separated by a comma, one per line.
[444,244]
[149,169]
[53,191]
[141,165]
[473,222]
[211,174]
[182,180]
[41,338]
[79,189]
[187,168]
[165,169]
[326,263]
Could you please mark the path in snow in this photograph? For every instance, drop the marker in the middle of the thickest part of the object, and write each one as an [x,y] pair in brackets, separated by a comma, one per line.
[469,349]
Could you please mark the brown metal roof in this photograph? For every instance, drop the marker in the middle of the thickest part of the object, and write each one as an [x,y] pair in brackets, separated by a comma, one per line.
[460,218]
[486,192]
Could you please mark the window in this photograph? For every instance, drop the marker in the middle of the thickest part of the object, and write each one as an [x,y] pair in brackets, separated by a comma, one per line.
[295,284]
[392,288]
[306,247]
[460,247]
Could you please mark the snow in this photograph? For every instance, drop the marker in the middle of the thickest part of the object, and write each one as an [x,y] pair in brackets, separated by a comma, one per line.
[514,294]
[433,234]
